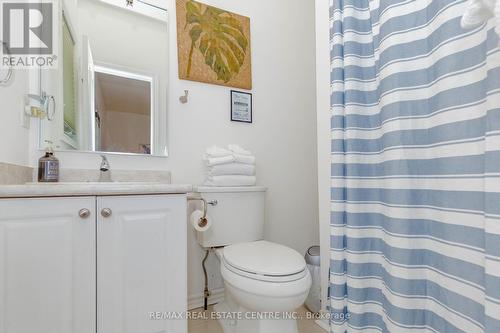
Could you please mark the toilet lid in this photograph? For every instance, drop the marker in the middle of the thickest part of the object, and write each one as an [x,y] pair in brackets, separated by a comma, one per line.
[264,258]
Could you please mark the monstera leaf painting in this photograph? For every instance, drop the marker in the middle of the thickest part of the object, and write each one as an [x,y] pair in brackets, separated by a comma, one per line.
[214,45]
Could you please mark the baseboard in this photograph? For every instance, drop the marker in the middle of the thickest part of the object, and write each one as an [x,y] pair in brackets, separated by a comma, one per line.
[197,301]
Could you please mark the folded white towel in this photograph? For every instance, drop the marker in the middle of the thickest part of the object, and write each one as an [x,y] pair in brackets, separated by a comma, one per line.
[231,181]
[245,159]
[232,169]
[237,149]
[216,151]
[211,161]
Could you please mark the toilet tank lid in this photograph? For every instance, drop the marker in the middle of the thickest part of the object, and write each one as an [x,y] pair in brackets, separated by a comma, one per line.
[236,189]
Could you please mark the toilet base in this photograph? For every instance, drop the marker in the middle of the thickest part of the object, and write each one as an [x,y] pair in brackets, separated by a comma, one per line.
[237,322]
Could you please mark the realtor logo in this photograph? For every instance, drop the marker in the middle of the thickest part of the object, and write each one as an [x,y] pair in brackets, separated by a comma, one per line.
[28,32]
[27,27]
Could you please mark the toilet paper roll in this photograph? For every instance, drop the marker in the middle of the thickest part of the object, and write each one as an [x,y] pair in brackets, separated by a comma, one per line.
[195,221]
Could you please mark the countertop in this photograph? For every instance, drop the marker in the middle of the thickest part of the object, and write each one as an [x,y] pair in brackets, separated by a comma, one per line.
[33,190]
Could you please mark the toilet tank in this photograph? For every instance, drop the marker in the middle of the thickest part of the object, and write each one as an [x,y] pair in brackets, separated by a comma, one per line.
[237,217]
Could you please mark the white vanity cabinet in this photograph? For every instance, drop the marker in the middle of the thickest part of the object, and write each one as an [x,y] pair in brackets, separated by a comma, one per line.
[92,264]
[47,265]
[141,263]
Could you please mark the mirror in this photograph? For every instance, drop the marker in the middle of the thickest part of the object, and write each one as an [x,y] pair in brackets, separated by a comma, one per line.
[110,89]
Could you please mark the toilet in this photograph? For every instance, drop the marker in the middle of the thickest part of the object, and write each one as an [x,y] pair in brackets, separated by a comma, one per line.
[264,282]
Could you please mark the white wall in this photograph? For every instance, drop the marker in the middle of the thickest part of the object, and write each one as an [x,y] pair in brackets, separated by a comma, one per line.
[14,139]
[283,135]
[323,131]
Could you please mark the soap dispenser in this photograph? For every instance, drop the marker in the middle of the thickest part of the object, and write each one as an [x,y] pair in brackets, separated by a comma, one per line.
[48,166]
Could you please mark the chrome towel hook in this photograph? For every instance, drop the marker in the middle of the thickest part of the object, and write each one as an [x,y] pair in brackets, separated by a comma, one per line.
[184,98]
[5,80]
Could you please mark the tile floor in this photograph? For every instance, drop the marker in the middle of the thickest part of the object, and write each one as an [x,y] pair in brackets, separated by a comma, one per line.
[212,326]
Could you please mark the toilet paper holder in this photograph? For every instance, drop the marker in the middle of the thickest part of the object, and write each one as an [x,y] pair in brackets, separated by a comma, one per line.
[203,220]
[202,223]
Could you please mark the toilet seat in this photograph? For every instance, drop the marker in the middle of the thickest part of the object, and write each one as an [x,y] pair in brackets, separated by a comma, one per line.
[266,278]
[264,261]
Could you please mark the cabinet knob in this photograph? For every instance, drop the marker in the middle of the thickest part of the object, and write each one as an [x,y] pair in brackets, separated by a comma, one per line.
[106,212]
[84,213]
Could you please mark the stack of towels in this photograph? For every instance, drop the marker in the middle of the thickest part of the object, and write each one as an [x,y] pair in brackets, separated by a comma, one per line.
[233,166]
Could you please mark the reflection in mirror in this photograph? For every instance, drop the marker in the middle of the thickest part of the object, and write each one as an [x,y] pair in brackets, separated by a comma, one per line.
[69,88]
[122,111]
[111,84]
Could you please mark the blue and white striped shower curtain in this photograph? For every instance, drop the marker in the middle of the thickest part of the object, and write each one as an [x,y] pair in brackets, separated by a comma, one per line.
[415,187]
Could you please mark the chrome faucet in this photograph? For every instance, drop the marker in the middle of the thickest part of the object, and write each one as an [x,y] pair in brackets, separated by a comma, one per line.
[105,169]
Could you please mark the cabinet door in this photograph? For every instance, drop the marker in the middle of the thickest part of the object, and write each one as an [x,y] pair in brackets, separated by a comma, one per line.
[47,265]
[141,263]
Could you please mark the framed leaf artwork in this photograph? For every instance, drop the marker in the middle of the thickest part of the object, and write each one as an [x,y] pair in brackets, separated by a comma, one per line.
[213,45]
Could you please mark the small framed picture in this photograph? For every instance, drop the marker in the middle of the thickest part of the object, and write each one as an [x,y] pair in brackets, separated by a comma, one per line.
[241,106]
